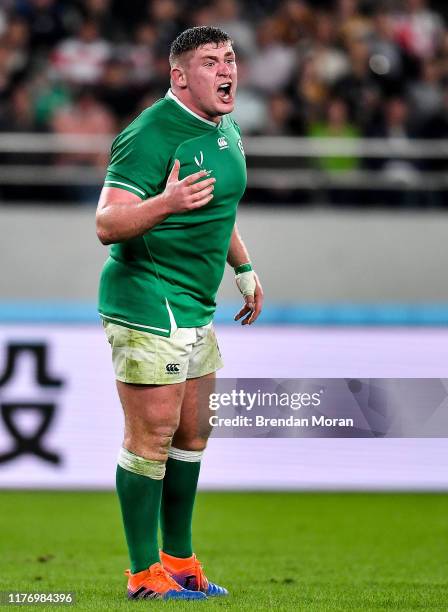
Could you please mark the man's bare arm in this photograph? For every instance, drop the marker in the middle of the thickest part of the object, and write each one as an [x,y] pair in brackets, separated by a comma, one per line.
[237,256]
[122,215]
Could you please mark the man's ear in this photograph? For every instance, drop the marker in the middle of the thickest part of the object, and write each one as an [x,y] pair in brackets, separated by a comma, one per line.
[179,77]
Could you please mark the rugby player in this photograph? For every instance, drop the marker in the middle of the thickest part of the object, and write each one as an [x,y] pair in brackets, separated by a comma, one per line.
[168,207]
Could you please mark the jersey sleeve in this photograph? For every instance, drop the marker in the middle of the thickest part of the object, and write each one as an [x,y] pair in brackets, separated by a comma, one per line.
[137,163]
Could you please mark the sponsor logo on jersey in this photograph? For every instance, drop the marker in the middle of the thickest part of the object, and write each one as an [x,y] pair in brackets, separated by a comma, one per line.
[199,161]
[172,368]
[240,145]
[222,143]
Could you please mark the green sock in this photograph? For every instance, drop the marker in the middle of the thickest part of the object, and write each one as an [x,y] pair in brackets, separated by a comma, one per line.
[139,488]
[179,492]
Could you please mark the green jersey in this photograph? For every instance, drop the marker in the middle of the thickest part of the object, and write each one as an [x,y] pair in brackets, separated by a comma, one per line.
[170,276]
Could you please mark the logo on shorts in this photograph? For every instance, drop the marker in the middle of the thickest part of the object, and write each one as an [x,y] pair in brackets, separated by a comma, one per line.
[172,368]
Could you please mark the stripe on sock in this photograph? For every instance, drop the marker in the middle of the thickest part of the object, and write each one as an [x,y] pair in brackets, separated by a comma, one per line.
[185,455]
[139,465]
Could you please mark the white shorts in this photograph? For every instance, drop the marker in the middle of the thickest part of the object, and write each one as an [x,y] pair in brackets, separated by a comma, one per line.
[147,359]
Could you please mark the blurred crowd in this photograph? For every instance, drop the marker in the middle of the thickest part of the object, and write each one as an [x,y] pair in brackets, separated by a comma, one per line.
[323,68]
[346,67]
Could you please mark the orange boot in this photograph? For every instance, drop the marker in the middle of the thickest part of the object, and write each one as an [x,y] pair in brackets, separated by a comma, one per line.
[156,583]
[189,574]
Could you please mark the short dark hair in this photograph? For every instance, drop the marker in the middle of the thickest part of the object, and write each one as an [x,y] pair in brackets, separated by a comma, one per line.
[196,37]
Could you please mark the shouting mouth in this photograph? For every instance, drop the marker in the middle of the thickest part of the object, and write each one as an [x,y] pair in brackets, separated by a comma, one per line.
[224,91]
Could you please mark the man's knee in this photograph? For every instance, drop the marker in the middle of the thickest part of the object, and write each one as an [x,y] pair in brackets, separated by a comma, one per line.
[150,441]
[189,443]
[151,417]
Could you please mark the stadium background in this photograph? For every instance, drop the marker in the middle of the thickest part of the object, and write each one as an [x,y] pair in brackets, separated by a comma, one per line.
[344,107]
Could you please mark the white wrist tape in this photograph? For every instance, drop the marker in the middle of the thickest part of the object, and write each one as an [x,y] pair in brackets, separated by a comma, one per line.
[246,282]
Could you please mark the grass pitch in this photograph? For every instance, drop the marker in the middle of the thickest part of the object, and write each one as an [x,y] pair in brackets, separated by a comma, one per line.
[283,551]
